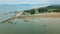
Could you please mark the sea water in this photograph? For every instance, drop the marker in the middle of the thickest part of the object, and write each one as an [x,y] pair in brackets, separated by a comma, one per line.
[27,26]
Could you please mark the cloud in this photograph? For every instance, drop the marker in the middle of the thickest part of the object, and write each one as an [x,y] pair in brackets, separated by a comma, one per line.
[54,1]
[23,1]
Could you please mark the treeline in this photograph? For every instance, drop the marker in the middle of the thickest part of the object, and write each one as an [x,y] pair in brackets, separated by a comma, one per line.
[31,11]
[42,10]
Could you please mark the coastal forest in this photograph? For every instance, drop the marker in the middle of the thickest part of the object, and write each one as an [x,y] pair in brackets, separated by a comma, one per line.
[48,9]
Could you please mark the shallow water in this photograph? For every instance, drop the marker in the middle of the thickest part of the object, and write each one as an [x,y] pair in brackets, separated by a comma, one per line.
[32,26]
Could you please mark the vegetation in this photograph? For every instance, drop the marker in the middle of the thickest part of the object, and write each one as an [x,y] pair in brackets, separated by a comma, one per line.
[32,11]
[27,11]
[49,9]
[41,10]
[44,9]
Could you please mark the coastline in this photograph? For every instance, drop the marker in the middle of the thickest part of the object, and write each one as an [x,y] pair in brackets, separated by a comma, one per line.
[41,15]
[35,16]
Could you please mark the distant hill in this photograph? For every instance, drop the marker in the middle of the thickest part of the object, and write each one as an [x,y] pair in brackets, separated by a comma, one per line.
[53,7]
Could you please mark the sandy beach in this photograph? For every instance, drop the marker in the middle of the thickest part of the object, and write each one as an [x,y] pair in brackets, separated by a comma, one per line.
[41,15]
[35,16]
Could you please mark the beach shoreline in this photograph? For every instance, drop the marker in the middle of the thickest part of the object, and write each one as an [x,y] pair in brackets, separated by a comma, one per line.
[41,15]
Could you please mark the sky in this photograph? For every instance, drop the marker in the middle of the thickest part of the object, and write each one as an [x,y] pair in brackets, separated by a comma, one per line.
[29,1]
[54,2]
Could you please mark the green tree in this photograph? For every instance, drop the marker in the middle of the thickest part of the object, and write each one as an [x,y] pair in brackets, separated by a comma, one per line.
[56,10]
[32,11]
[41,10]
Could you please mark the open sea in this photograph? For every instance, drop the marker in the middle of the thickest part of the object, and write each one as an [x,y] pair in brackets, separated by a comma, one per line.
[27,26]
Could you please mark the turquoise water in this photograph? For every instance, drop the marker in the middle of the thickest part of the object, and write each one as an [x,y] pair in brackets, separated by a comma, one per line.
[27,26]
